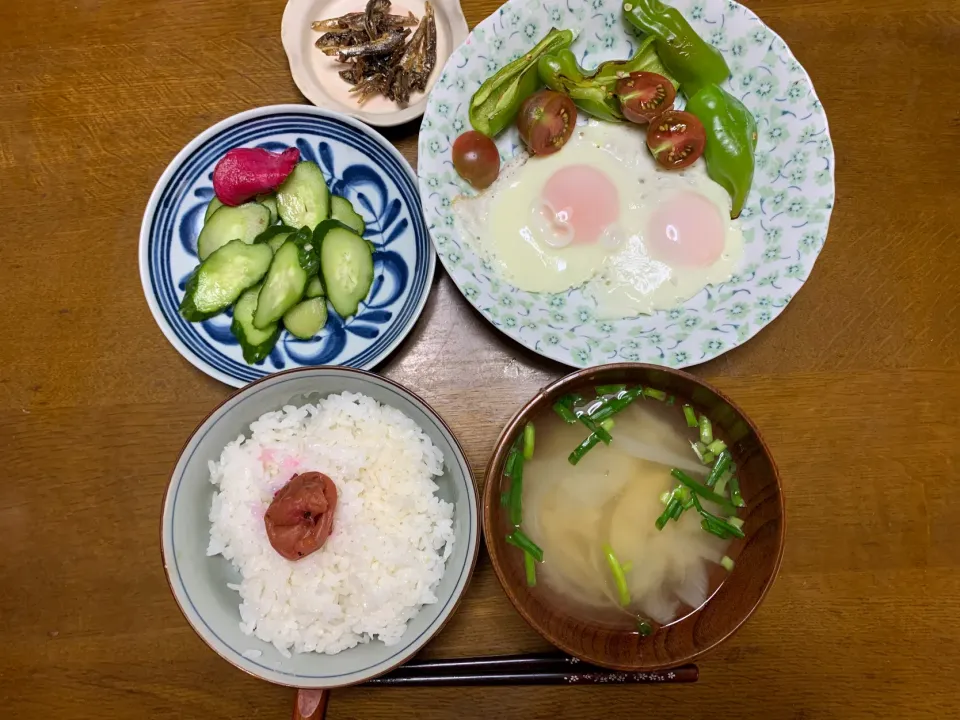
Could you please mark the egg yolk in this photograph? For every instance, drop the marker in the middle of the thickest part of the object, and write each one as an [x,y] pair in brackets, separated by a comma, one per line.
[687,229]
[579,202]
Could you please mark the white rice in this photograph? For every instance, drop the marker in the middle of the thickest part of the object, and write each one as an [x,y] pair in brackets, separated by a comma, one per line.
[391,534]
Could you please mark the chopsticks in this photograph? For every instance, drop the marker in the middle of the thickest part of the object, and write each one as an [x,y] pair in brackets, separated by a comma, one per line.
[533,669]
[497,670]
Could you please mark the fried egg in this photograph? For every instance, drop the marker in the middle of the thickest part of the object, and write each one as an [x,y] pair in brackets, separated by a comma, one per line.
[600,214]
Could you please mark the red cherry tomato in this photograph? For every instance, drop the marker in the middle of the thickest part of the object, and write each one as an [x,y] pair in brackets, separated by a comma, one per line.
[676,139]
[476,159]
[546,121]
[644,95]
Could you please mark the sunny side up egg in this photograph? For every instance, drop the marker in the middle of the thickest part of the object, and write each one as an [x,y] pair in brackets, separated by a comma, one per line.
[600,214]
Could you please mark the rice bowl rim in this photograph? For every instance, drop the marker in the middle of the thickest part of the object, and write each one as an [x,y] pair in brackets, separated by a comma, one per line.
[472,552]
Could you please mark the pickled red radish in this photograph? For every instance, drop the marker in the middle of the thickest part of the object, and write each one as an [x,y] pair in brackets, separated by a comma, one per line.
[244,173]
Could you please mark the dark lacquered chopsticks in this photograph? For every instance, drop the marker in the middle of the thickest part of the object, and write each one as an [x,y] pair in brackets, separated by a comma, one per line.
[498,670]
[534,669]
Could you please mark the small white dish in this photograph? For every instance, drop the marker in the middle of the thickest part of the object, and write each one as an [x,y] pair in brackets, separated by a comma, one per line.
[316,74]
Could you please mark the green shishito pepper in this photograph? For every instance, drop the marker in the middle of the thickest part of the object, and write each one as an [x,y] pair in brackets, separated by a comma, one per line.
[593,92]
[731,140]
[688,57]
[495,105]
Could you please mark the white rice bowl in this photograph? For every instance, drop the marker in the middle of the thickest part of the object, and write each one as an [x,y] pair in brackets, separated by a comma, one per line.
[391,533]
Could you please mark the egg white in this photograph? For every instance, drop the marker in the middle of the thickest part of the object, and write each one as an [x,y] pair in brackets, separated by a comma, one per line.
[503,225]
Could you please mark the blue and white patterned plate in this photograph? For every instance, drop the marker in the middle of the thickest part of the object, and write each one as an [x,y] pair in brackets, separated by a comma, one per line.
[358,164]
[785,219]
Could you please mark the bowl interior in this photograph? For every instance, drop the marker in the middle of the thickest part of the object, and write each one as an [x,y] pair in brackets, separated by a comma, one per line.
[757,556]
[199,583]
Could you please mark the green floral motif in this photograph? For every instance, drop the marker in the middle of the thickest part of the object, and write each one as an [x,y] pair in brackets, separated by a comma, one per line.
[784,221]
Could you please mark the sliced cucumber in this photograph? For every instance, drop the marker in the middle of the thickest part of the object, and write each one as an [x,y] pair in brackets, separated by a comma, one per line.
[269,201]
[275,236]
[304,198]
[243,222]
[283,287]
[277,241]
[347,266]
[214,205]
[373,248]
[342,210]
[315,288]
[255,343]
[307,318]
[220,279]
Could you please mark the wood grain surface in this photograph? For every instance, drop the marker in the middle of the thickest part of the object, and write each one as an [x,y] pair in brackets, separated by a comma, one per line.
[856,385]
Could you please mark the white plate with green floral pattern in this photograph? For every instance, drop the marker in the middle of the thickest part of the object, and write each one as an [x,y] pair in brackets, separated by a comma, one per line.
[784,221]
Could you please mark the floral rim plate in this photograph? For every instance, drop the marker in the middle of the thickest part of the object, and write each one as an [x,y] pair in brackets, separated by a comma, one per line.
[785,219]
[359,165]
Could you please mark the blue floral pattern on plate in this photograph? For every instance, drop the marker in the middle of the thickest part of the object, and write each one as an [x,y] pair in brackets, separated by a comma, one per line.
[785,219]
[359,165]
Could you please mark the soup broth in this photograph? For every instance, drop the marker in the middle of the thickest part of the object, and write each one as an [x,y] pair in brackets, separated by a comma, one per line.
[610,501]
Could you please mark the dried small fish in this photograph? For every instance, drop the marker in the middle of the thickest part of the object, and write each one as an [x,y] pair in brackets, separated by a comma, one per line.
[354,21]
[383,44]
[375,12]
[335,39]
[350,21]
[379,57]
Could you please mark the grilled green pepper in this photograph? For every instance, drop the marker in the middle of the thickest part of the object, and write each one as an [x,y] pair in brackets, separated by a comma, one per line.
[495,105]
[731,140]
[593,92]
[688,57]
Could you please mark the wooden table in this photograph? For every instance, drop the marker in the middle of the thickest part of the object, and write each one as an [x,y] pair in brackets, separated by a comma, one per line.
[857,385]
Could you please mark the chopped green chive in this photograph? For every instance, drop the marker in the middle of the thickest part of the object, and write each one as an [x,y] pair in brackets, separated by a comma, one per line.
[736,522]
[518,539]
[677,511]
[700,489]
[721,486]
[618,577]
[671,400]
[594,427]
[735,496]
[511,461]
[611,406]
[719,468]
[665,497]
[711,526]
[504,499]
[727,563]
[565,413]
[528,441]
[644,628]
[706,430]
[610,389]
[583,448]
[717,447]
[655,394]
[515,501]
[690,416]
[708,457]
[530,566]
[607,424]
[668,512]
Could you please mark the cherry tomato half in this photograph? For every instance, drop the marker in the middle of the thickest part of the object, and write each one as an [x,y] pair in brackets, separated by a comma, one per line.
[644,95]
[546,121]
[476,159]
[676,139]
